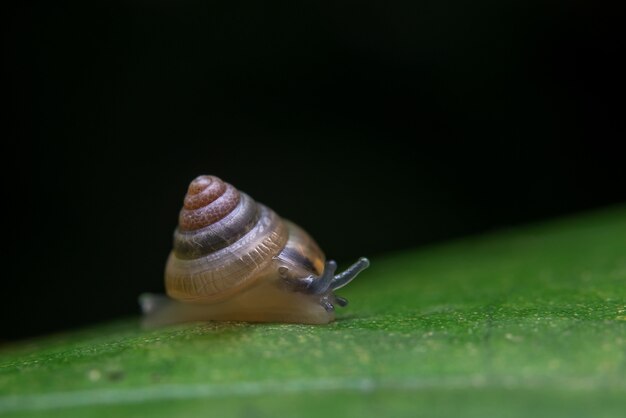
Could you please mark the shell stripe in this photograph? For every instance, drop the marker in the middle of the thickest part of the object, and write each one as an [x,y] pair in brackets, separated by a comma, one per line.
[218,274]
[202,191]
[193,219]
[212,238]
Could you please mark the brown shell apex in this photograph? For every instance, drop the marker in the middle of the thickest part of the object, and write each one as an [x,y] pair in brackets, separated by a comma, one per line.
[208,200]
[222,241]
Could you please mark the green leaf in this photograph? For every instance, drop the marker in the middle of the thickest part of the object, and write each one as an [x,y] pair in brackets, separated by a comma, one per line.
[517,323]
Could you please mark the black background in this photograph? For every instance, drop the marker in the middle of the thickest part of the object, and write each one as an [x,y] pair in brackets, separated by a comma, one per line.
[376,126]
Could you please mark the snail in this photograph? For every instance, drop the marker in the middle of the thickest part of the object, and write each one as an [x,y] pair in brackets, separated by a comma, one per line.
[234,259]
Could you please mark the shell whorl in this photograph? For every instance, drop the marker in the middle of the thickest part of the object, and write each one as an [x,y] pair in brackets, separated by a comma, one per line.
[224,238]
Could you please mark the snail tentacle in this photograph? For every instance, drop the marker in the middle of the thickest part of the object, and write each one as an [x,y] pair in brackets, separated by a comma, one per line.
[322,283]
[327,305]
[343,302]
[328,281]
[349,274]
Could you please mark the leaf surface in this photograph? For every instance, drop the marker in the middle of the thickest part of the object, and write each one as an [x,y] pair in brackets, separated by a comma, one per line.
[520,322]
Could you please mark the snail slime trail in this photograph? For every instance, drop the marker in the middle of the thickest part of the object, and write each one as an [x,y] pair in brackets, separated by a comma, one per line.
[236,260]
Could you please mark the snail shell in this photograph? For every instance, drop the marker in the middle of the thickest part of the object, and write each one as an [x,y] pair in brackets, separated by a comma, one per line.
[236,259]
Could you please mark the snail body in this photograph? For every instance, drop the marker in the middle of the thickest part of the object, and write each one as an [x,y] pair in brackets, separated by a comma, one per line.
[234,259]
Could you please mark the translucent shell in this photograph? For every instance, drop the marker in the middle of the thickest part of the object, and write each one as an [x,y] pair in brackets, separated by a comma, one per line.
[224,242]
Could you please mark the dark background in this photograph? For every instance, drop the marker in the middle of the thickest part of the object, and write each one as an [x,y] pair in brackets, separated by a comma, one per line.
[376,126]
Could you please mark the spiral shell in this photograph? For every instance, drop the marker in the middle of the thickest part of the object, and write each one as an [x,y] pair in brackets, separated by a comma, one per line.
[237,260]
[223,239]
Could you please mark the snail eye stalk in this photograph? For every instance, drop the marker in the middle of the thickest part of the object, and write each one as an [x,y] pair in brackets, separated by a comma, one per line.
[328,281]
[322,284]
[350,273]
